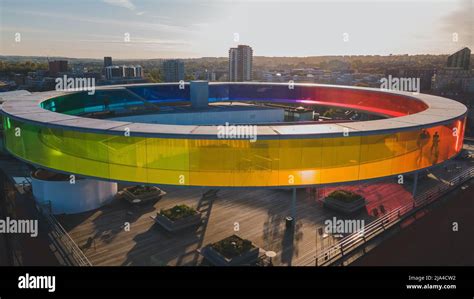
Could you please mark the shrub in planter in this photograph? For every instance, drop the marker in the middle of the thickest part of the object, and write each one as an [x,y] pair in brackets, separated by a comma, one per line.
[344,201]
[232,246]
[178,217]
[141,189]
[231,251]
[344,196]
[178,212]
[142,193]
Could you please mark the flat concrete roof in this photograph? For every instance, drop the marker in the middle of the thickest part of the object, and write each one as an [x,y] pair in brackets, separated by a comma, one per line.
[216,107]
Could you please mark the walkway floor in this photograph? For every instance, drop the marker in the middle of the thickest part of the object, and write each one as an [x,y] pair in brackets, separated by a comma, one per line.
[431,241]
[29,251]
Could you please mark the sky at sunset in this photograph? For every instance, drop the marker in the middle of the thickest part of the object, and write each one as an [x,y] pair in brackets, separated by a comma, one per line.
[191,28]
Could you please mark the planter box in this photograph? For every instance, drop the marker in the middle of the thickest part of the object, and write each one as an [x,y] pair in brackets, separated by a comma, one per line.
[344,207]
[215,258]
[156,193]
[179,224]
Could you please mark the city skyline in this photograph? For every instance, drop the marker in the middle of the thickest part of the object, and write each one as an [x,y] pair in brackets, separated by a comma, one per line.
[184,29]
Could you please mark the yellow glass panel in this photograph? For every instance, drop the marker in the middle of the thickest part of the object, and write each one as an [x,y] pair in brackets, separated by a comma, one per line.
[233,163]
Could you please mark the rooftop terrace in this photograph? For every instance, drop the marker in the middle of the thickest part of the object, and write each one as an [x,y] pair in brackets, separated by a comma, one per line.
[260,214]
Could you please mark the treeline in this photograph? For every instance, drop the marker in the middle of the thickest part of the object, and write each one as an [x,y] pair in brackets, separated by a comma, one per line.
[7,67]
[374,63]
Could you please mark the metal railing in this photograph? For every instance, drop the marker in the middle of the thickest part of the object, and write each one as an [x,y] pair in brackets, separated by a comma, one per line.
[353,241]
[26,182]
[71,253]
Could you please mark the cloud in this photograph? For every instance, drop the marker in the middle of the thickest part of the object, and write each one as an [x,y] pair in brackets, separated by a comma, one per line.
[160,27]
[135,40]
[140,13]
[461,22]
[23,29]
[121,3]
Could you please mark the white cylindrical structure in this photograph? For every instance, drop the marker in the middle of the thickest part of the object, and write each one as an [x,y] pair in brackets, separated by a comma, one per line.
[71,198]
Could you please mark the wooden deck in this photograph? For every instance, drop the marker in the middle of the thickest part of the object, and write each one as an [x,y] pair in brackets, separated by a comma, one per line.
[260,215]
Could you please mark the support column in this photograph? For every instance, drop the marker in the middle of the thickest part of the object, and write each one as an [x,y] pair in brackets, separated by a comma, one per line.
[293,205]
[290,220]
[199,94]
[415,184]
